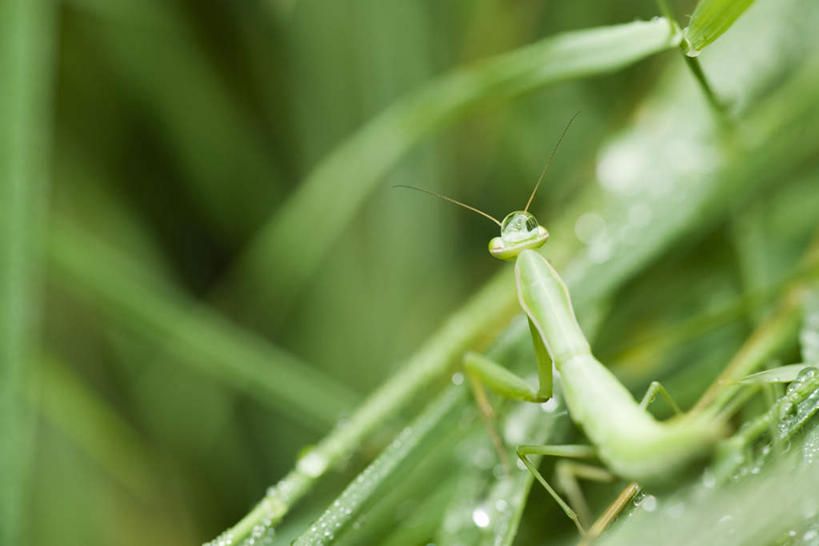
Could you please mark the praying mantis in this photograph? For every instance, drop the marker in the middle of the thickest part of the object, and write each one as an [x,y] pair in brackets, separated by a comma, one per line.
[622,434]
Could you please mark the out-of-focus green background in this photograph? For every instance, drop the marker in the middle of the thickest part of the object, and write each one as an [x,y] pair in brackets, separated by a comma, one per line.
[182,356]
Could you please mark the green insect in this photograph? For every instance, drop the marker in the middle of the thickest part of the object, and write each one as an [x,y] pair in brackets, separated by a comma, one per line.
[623,435]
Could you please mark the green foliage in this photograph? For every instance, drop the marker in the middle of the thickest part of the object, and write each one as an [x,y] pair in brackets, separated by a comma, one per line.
[224,292]
[26,37]
[710,20]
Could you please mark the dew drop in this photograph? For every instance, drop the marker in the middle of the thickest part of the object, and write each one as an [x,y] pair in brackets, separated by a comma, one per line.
[639,215]
[676,510]
[481,517]
[600,251]
[588,226]
[312,464]
[457,378]
[806,374]
[550,405]
[708,479]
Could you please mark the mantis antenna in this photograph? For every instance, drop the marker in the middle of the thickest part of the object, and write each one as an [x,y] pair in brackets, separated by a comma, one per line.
[549,161]
[451,200]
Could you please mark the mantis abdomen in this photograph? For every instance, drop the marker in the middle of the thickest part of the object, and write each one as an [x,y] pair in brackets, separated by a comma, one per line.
[627,438]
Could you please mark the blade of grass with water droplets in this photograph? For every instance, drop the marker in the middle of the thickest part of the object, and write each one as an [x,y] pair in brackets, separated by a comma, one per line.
[361,491]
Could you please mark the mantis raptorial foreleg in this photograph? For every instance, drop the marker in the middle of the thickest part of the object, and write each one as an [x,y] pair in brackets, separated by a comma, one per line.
[483,371]
[509,384]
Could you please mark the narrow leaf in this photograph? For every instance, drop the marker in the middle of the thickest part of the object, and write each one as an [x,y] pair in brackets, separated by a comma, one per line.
[712,18]
[196,335]
[781,374]
[809,335]
[25,58]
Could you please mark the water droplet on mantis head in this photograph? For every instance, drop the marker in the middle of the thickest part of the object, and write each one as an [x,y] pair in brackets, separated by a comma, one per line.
[520,230]
[457,378]
[518,226]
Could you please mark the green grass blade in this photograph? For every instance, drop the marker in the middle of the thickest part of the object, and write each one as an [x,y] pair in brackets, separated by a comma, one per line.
[197,336]
[329,197]
[809,335]
[155,54]
[780,374]
[25,57]
[710,20]
[91,423]
[369,483]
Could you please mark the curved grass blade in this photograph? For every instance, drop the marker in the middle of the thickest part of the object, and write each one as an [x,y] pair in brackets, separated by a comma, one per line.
[710,20]
[809,335]
[331,194]
[26,35]
[92,424]
[781,374]
[197,335]
[361,492]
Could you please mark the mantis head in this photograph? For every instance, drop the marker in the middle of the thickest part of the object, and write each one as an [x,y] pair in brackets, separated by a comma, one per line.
[520,230]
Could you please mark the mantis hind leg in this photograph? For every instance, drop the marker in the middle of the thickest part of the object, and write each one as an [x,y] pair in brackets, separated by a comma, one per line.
[631,489]
[651,393]
[567,474]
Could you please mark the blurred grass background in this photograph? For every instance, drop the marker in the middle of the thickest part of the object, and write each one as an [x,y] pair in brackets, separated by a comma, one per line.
[175,368]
